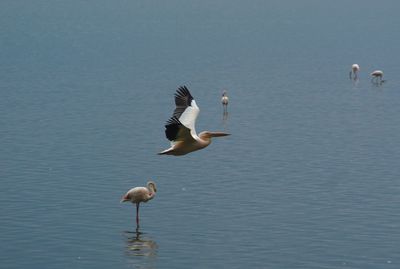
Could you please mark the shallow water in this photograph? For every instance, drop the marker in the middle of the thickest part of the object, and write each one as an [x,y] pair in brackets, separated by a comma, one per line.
[309,177]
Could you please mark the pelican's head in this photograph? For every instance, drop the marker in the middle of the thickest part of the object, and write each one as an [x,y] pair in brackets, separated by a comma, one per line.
[224,93]
[208,135]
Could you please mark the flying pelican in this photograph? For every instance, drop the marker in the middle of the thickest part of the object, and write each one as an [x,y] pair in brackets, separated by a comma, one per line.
[140,194]
[180,128]
[354,71]
[377,74]
[224,101]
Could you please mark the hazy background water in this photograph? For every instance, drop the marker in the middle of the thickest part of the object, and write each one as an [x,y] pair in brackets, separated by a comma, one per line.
[308,179]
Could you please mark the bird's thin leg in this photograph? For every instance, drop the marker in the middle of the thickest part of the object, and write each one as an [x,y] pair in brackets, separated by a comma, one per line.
[137,215]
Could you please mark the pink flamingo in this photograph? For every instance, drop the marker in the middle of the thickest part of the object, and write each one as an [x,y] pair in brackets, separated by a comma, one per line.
[140,194]
[354,71]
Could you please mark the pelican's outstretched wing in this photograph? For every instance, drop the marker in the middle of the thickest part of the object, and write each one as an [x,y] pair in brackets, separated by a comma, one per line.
[175,131]
[186,110]
[183,99]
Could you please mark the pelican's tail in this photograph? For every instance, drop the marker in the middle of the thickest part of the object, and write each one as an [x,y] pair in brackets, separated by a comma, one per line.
[166,152]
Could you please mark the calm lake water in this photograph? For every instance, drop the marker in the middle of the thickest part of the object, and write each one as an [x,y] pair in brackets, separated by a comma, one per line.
[309,178]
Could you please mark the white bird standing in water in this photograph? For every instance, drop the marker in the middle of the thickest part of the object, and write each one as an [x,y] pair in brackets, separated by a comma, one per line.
[224,101]
[180,128]
[138,195]
[377,74]
[355,68]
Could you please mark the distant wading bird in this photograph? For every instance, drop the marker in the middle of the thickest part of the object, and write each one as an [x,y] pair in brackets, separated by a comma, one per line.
[138,195]
[354,71]
[377,75]
[224,101]
[180,128]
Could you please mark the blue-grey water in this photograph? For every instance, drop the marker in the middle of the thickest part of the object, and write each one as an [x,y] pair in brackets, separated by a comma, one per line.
[309,178]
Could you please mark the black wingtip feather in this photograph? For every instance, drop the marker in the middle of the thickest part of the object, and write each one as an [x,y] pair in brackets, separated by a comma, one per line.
[172,128]
[183,93]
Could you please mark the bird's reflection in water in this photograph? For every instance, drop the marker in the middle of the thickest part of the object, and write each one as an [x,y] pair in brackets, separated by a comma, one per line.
[225,115]
[138,244]
[356,81]
[378,83]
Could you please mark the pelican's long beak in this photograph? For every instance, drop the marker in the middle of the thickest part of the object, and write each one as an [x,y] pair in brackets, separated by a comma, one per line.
[124,199]
[217,134]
